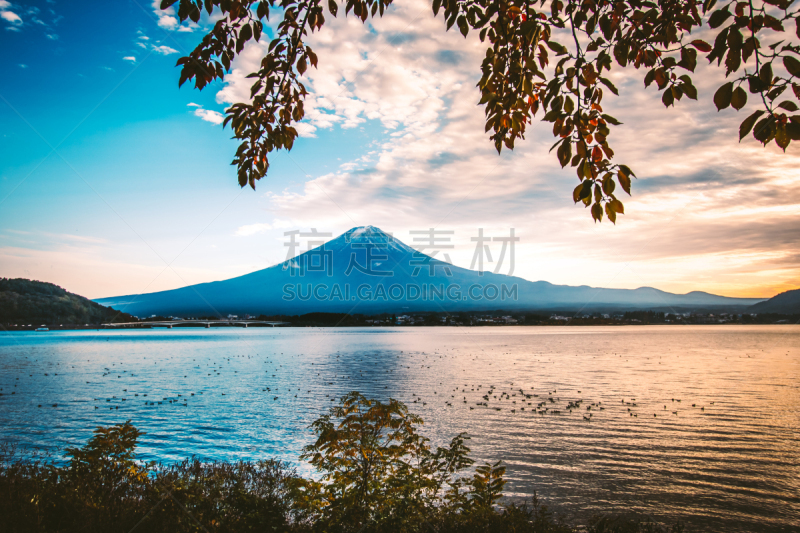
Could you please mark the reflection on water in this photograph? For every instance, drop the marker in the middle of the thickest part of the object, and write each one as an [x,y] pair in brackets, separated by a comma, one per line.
[699,423]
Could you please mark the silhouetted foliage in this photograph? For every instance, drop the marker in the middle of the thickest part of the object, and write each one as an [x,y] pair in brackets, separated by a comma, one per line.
[24,300]
[377,474]
[104,489]
[519,79]
[380,474]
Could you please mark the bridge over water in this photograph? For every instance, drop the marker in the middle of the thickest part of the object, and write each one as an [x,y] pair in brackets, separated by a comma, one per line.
[198,323]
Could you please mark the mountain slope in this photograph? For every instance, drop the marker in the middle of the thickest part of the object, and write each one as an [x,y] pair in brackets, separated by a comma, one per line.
[24,300]
[787,303]
[367,271]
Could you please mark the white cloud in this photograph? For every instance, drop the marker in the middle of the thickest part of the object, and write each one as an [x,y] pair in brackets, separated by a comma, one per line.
[52,36]
[707,213]
[129,58]
[10,17]
[23,65]
[252,229]
[215,117]
[164,50]
[166,17]
[686,226]
[281,224]
[208,115]
[4,4]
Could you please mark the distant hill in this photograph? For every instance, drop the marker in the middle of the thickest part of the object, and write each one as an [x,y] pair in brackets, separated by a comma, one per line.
[787,303]
[368,271]
[37,302]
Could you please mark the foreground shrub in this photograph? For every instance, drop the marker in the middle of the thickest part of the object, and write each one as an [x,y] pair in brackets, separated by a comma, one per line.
[242,496]
[377,474]
[101,487]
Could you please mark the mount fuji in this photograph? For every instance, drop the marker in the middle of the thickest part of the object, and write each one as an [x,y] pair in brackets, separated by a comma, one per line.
[367,271]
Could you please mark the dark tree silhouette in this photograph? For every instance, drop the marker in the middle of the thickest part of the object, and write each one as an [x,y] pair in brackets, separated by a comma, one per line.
[44,303]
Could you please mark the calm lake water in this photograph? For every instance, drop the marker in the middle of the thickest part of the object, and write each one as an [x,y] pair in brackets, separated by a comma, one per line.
[698,423]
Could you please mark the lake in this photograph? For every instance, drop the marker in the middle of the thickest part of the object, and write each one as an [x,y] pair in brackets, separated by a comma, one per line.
[698,423]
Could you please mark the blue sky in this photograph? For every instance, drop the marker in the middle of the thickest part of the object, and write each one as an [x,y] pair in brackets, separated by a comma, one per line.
[114,181]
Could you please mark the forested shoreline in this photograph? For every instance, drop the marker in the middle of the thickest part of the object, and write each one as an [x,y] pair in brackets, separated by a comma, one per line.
[38,302]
